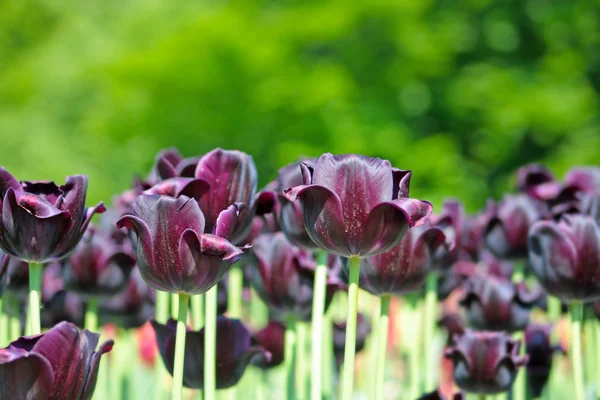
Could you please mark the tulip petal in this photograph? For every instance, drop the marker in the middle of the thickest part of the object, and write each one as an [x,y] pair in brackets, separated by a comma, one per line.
[226,221]
[388,222]
[175,187]
[93,367]
[401,183]
[24,376]
[7,181]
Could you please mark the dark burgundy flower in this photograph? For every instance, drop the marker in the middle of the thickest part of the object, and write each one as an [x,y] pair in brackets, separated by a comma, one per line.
[272,338]
[454,324]
[437,395]
[403,269]
[357,206]
[61,364]
[283,276]
[472,242]
[173,253]
[233,353]
[170,163]
[538,182]
[565,257]
[540,352]
[42,222]
[363,329]
[506,233]
[17,275]
[498,304]
[451,222]
[63,306]
[99,267]
[232,178]
[585,179]
[485,362]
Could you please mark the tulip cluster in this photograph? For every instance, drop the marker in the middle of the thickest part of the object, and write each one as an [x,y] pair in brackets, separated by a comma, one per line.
[218,281]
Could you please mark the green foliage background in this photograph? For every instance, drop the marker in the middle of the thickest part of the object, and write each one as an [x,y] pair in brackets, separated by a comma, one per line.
[460,91]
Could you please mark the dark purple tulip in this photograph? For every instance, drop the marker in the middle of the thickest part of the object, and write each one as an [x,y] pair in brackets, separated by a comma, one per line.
[451,221]
[232,178]
[540,352]
[538,182]
[42,222]
[485,362]
[63,306]
[61,364]
[454,324]
[363,329]
[403,269]
[472,243]
[233,353]
[498,304]
[99,267]
[357,206]
[283,276]
[437,395]
[565,257]
[170,163]
[173,253]
[585,179]
[506,233]
[17,274]
[272,338]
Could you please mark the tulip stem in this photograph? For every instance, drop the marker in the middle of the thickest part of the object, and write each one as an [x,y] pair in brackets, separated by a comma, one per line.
[35,286]
[350,346]
[301,356]
[3,324]
[554,308]
[258,310]
[430,322]
[382,339]
[210,343]
[290,356]
[234,291]
[174,305]
[162,307]
[318,309]
[14,321]
[197,306]
[162,314]
[519,388]
[327,357]
[576,311]
[91,315]
[180,346]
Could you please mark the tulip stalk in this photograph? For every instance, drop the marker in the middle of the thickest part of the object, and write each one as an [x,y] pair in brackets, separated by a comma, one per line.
[210,344]
[327,360]
[4,331]
[318,310]
[430,322]
[161,315]
[35,286]
[520,384]
[197,306]
[300,369]
[290,356]
[576,311]
[234,291]
[176,392]
[91,315]
[14,321]
[174,306]
[350,346]
[382,339]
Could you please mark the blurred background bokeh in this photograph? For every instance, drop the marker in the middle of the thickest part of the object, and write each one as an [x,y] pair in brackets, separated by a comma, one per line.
[460,91]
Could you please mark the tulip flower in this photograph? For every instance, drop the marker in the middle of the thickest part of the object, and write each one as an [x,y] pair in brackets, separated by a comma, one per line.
[485,362]
[41,223]
[454,324]
[272,338]
[538,182]
[585,179]
[234,352]
[284,277]
[498,304]
[540,352]
[61,364]
[170,163]
[506,233]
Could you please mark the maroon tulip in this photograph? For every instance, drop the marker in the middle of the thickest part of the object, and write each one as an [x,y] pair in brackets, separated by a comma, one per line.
[498,304]
[174,255]
[61,364]
[234,352]
[363,329]
[565,257]
[538,182]
[540,352]
[506,233]
[403,269]
[63,306]
[170,163]
[485,362]
[451,221]
[585,179]
[283,276]
[99,267]
[272,338]
[454,324]
[357,206]
[42,222]
[437,395]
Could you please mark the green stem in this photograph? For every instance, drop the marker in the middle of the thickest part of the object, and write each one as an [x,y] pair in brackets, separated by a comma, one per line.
[301,356]
[382,339]
[290,356]
[91,315]
[554,308]
[519,388]
[262,385]
[183,300]
[258,310]
[318,309]
[589,321]
[518,272]
[162,306]
[234,291]
[429,330]
[174,305]
[35,285]
[350,346]
[210,344]
[197,306]
[328,366]
[3,325]
[414,351]
[162,314]
[576,311]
